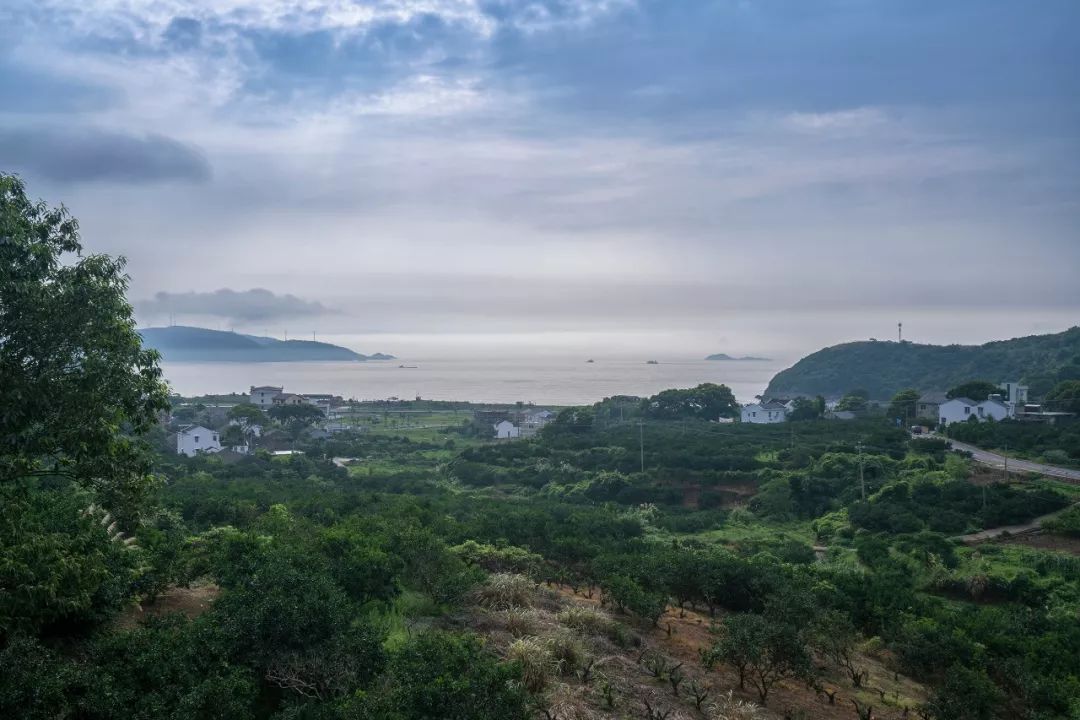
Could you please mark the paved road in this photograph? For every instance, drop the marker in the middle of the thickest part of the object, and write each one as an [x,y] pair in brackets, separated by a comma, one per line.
[992,459]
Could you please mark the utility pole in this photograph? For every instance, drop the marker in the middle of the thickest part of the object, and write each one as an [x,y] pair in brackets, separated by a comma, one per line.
[1006,463]
[862,475]
[641,443]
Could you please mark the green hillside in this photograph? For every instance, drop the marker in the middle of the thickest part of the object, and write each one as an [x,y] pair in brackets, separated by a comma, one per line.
[192,344]
[883,368]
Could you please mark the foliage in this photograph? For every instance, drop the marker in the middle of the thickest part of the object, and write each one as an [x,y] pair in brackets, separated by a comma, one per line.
[903,405]
[78,387]
[60,566]
[440,676]
[1064,397]
[296,415]
[707,401]
[885,368]
[977,390]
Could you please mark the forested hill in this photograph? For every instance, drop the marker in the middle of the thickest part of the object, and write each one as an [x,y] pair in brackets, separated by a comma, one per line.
[194,344]
[883,368]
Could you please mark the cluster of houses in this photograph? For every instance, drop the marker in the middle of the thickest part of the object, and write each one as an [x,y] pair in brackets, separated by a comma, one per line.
[194,439]
[512,424]
[1011,402]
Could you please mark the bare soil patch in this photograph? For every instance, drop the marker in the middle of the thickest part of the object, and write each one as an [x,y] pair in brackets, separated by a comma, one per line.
[190,601]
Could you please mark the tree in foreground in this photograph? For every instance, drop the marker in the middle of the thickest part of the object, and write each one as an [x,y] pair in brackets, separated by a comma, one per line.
[77,390]
[78,387]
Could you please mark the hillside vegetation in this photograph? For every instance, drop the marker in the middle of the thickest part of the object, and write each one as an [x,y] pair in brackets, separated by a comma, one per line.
[884,368]
[193,344]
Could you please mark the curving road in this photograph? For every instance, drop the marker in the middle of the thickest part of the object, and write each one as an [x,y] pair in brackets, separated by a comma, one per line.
[985,457]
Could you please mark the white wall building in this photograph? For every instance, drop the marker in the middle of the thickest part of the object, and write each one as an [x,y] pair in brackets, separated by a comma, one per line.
[994,409]
[956,410]
[962,409]
[506,430]
[194,439]
[1015,394]
[765,413]
[264,395]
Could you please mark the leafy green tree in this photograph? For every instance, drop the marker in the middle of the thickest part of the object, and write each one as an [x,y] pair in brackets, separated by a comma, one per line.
[78,386]
[903,404]
[1064,397]
[807,409]
[60,566]
[835,637]
[965,694]
[440,676]
[977,390]
[853,401]
[707,401]
[233,436]
[296,415]
[247,413]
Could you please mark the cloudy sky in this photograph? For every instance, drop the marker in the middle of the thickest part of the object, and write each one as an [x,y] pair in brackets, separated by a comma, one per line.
[752,176]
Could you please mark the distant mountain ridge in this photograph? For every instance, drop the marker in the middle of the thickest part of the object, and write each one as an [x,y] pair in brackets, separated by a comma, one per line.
[193,344]
[725,356]
[884,368]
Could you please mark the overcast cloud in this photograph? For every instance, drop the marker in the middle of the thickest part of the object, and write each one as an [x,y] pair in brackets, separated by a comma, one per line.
[249,306]
[600,166]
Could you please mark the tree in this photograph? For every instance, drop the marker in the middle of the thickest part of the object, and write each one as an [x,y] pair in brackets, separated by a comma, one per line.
[1064,397]
[903,404]
[78,386]
[247,414]
[440,676]
[835,637]
[854,401]
[807,409]
[965,694]
[977,390]
[763,650]
[233,436]
[707,401]
[296,415]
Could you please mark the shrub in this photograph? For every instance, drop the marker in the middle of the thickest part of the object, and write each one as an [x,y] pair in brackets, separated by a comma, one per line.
[534,659]
[519,622]
[728,707]
[587,620]
[567,651]
[504,591]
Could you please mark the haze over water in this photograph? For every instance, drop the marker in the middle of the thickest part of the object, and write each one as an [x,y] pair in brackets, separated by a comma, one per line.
[543,380]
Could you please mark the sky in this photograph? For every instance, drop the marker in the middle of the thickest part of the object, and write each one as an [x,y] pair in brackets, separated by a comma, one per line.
[594,176]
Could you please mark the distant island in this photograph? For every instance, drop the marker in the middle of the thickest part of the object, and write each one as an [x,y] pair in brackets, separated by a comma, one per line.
[193,344]
[883,368]
[725,356]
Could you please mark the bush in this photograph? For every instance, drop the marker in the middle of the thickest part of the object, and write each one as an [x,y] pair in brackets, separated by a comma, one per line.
[587,620]
[519,622]
[504,591]
[567,651]
[535,660]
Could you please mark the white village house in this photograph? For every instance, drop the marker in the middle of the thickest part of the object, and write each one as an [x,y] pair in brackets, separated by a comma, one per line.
[961,409]
[194,439]
[765,413]
[264,395]
[506,430]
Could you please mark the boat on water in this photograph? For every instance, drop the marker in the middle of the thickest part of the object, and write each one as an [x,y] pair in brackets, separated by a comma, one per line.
[651,362]
[407,367]
[590,360]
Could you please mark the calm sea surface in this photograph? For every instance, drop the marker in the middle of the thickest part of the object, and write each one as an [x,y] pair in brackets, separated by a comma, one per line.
[542,381]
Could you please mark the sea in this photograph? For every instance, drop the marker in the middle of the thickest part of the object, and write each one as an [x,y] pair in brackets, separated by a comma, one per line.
[542,381]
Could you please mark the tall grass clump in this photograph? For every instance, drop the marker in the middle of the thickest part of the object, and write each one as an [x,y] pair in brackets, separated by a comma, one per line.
[504,591]
[534,658]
